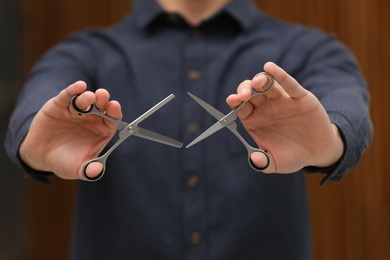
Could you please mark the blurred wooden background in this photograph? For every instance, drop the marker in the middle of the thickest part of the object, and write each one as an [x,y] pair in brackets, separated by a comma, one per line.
[351,219]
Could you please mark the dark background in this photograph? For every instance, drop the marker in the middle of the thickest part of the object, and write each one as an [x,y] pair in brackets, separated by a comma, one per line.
[351,219]
[12,210]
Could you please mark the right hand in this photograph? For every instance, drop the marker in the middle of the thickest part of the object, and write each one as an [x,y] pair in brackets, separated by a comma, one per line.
[61,141]
[289,122]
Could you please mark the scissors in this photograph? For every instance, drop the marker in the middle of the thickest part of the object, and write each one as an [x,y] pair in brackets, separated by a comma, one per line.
[228,121]
[125,130]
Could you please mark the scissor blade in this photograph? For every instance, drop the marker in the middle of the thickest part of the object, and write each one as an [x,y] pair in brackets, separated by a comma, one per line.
[153,109]
[212,129]
[150,135]
[212,110]
[216,114]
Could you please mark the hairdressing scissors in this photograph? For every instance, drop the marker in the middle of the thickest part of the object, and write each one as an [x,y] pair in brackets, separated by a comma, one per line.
[229,122]
[126,130]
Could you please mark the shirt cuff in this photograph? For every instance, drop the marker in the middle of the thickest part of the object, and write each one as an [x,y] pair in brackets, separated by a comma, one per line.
[336,171]
[40,176]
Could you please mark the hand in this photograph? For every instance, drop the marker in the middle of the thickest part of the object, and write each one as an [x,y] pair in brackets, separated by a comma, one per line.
[61,141]
[289,122]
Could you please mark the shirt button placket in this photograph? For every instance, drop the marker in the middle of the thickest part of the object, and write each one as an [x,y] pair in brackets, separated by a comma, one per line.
[193,199]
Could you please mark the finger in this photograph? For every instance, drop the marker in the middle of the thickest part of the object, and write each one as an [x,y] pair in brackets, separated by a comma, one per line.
[93,170]
[233,101]
[243,94]
[111,108]
[114,109]
[262,83]
[288,83]
[64,97]
[244,91]
[260,160]
[85,100]
[102,99]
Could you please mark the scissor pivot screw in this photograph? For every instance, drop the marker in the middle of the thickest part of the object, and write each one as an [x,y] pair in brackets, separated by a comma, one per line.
[131,129]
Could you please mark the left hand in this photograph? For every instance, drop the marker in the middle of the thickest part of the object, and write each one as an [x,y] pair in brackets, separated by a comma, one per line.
[289,122]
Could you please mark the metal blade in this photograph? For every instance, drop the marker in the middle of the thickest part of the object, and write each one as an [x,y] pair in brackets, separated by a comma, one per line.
[216,114]
[150,135]
[212,110]
[153,109]
[212,129]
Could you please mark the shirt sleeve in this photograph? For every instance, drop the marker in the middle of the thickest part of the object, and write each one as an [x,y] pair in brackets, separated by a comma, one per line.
[331,72]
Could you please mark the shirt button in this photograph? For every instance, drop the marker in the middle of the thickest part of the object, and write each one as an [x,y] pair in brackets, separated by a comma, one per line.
[196,238]
[193,75]
[193,181]
[172,18]
[196,34]
[192,128]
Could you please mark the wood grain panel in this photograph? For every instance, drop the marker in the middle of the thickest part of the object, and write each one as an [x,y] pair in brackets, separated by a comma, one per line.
[350,219]
[46,22]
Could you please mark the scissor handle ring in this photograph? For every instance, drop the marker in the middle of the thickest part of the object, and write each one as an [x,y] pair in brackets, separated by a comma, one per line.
[102,160]
[259,169]
[77,109]
[270,86]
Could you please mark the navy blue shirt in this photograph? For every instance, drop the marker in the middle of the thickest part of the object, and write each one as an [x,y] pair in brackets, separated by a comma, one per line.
[159,202]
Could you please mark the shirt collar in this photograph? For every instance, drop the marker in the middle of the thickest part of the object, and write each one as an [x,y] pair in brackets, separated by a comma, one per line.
[145,12]
[241,11]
